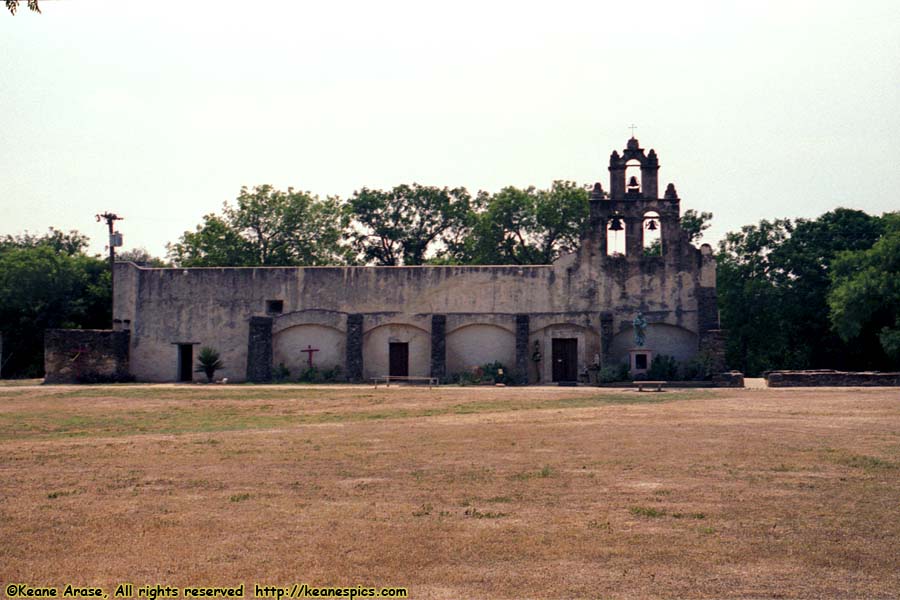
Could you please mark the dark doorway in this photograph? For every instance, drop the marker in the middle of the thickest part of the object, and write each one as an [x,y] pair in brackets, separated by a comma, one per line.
[399,359]
[185,362]
[565,359]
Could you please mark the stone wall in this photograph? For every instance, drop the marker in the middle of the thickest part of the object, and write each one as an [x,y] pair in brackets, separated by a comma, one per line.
[452,317]
[86,356]
[831,378]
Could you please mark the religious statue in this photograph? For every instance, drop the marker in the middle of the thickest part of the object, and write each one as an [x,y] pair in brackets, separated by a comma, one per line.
[537,357]
[640,328]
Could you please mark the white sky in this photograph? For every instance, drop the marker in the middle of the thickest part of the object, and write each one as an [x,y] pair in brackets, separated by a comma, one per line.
[160,111]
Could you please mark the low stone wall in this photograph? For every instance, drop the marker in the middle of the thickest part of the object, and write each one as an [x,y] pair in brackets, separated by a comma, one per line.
[86,356]
[831,378]
[733,379]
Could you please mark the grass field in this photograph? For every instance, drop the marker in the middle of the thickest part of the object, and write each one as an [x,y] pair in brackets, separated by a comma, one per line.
[455,492]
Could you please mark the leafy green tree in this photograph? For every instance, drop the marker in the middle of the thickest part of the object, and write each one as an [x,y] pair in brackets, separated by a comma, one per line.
[400,226]
[267,227]
[525,226]
[694,223]
[13,6]
[142,258]
[47,282]
[750,302]
[773,281]
[805,260]
[865,295]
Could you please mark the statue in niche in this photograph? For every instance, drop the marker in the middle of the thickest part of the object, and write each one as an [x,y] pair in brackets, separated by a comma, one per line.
[640,330]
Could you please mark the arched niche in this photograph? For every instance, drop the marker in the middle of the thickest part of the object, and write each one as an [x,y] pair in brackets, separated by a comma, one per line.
[377,347]
[478,344]
[616,235]
[288,345]
[651,226]
[661,338]
[587,345]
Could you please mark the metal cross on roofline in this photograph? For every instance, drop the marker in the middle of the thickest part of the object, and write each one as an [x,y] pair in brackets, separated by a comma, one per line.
[632,127]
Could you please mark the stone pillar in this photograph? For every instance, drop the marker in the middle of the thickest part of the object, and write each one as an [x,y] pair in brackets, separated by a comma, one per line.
[712,343]
[355,347]
[606,338]
[523,329]
[259,350]
[707,309]
[439,346]
[634,236]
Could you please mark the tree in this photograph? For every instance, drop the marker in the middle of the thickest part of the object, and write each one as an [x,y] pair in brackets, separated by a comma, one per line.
[749,300]
[525,226]
[267,227]
[142,258]
[773,280]
[13,6]
[865,295]
[694,223]
[47,282]
[400,226]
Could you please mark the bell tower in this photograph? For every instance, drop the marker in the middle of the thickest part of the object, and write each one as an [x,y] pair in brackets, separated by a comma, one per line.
[633,214]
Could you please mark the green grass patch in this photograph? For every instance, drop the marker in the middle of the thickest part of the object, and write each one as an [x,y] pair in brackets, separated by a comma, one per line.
[643,511]
[862,461]
[202,409]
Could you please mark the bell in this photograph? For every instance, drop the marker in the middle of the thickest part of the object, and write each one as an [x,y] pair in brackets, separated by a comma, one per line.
[633,183]
[615,224]
[651,225]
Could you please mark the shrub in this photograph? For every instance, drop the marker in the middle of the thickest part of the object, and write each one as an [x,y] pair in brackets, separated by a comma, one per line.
[611,373]
[311,375]
[699,368]
[491,372]
[333,375]
[281,373]
[208,362]
[663,367]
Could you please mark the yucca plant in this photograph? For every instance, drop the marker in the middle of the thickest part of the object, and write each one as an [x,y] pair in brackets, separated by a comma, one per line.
[208,362]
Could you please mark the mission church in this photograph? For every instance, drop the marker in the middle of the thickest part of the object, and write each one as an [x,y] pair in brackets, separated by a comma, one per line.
[436,321]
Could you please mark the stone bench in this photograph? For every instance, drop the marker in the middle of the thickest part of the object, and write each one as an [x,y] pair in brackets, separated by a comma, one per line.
[640,385]
[387,379]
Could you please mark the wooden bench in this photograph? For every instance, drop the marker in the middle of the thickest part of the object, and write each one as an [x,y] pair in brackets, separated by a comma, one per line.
[642,384]
[387,379]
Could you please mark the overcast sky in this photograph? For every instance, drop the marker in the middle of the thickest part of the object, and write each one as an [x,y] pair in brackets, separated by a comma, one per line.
[160,111]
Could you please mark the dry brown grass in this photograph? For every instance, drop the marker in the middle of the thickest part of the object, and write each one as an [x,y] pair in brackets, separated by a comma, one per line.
[455,492]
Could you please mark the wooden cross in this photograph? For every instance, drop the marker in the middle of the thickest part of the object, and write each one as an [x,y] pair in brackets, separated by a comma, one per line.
[309,350]
[632,128]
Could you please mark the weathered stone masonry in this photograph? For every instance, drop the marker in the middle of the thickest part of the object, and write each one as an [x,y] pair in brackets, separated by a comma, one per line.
[442,320]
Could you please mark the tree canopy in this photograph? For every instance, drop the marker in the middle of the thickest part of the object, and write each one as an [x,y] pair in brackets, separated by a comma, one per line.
[773,282]
[13,6]
[523,226]
[267,227]
[865,295]
[47,282]
[400,226]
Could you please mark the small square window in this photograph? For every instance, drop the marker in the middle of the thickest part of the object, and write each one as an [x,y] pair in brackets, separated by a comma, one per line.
[274,307]
[640,361]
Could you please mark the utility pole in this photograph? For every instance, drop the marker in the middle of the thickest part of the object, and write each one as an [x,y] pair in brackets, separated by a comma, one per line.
[115,240]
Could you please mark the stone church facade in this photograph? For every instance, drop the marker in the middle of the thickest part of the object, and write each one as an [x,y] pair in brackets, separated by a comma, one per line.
[441,320]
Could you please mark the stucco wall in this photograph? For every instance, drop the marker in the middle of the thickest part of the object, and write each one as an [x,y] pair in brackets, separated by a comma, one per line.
[478,344]
[212,307]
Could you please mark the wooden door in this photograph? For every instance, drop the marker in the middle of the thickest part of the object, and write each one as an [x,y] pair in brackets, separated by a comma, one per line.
[565,359]
[399,359]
